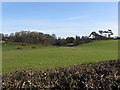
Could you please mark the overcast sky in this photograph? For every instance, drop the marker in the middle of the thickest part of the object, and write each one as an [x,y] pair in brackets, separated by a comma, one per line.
[61,18]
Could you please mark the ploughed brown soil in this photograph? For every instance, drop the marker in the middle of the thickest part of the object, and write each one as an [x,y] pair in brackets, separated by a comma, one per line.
[91,76]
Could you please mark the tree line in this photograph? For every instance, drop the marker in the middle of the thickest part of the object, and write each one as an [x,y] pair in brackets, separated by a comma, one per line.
[47,39]
[28,37]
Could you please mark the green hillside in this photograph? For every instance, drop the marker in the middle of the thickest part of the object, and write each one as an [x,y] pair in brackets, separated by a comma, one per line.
[51,56]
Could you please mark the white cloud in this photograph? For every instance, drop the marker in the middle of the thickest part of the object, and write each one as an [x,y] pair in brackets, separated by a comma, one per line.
[76,17]
[60,32]
[61,28]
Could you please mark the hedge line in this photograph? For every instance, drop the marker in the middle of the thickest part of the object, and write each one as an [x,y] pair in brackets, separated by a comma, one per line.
[91,76]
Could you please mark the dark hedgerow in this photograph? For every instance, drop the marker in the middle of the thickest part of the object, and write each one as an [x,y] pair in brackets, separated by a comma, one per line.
[91,76]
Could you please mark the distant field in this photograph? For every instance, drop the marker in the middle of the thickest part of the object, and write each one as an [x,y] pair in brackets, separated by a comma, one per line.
[51,57]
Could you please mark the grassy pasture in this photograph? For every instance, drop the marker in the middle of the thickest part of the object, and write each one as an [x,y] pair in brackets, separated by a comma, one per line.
[51,57]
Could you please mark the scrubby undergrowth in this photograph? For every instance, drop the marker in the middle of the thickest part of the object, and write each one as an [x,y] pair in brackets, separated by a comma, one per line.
[91,76]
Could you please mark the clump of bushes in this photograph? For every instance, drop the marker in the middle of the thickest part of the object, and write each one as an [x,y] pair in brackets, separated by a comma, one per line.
[33,47]
[18,48]
[91,76]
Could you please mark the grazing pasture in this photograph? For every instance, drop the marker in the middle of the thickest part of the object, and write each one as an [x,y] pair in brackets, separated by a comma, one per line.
[52,57]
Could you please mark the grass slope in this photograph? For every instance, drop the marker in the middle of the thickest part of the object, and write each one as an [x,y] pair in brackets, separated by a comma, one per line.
[51,57]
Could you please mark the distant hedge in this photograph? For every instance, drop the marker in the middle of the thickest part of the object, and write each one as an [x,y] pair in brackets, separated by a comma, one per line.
[91,76]
[47,39]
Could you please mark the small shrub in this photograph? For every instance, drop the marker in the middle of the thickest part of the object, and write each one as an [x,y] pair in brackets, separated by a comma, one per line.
[18,48]
[33,47]
[23,44]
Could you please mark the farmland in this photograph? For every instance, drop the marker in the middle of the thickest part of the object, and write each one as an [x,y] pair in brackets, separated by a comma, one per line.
[52,57]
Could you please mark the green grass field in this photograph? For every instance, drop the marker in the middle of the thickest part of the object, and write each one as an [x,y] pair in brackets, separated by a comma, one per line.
[51,57]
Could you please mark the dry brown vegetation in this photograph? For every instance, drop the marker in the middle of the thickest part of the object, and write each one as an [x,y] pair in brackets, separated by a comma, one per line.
[91,76]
